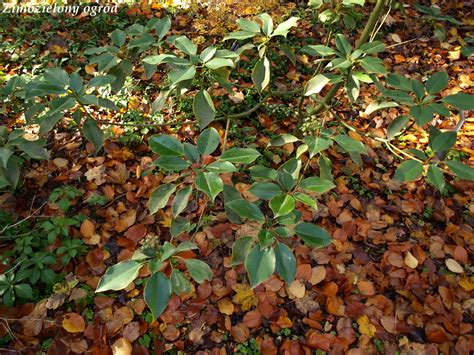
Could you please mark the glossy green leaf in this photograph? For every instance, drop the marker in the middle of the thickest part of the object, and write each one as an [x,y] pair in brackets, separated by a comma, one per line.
[93,133]
[436,178]
[316,145]
[209,183]
[157,293]
[460,100]
[318,50]
[240,155]
[185,45]
[375,106]
[408,170]
[208,141]
[198,270]
[444,141]
[463,171]
[171,163]
[221,167]
[282,204]
[265,190]
[343,45]
[349,144]
[119,276]
[261,74]
[397,125]
[240,249]
[180,200]
[316,184]
[315,84]
[313,235]
[246,210]
[285,262]
[282,139]
[260,264]
[437,82]
[179,283]
[160,196]
[283,28]
[118,37]
[164,144]
[373,65]
[305,199]
[203,108]
[247,25]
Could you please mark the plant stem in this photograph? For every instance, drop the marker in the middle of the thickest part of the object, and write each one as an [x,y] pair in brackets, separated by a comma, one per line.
[227,127]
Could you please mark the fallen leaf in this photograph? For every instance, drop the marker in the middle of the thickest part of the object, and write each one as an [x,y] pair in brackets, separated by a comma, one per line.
[454,266]
[121,347]
[410,260]
[318,274]
[226,307]
[365,327]
[244,296]
[73,323]
[366,288]
[297,289]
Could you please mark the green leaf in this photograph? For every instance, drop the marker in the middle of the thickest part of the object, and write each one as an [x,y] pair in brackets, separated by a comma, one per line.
[191,152]
[397,125]
[313,235]
[75,82]
[261,74]
[119,276]
[180,201]
[258,172]
[316,145]
[408,170]
[284,27]
[93,133]
[285,262]
[444,141]
[33,149]
[399,81]
[437,82]
[353,2]
[422,114]
[56,76]
[435,177]
[209,183]
[260,264]
[218,63]
[100,81]
[240,35]
[373,65]
[12,173]
[315,84]
[230,194]
[221,167]
[316,184]
[203,108]
[349,144]
[282,139]
[160,196]
[118,37]
[165,145]
[265,190]
[171,163]
[282,204]
[5,155]
[461,170]
[460,100]
[240,155]
[418,89]
[207,54]
[267,27]
[318,50]
[375,106]
[161,26]
[240,249]
[372,47]
[247,25]
[177,76]
[185,45]
[208,141]
[24,291]
[179,225]
[305,199]
[343,45]
[179,284]
[198,270]
[246,209]
[157,293]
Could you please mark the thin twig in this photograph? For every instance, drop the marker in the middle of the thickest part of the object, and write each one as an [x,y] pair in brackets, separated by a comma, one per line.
[227,127]
[24,219]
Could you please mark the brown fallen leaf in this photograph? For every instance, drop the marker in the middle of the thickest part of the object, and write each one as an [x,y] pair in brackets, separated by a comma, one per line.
[226,307]
[73,323]
[121,347]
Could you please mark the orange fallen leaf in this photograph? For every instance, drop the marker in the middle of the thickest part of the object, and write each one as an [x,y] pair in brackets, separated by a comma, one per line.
[226,307]
[365,327]
[73,323]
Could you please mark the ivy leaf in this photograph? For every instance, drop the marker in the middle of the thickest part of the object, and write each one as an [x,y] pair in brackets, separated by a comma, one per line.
[313,235]
[160,196]
[198,270]
[157,293]
[408,170]
[260,264]
[119,276]
[209,183]
[285,263]
[203,108]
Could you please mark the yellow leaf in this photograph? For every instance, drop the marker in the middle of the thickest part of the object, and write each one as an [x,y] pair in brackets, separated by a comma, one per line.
[467,284]
[122,347]
[244,296]
[296,289]
[365,327]
[226,307]
[410,260]
[74,323]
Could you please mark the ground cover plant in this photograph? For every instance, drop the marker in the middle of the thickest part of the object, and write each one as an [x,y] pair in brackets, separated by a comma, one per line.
[292,178]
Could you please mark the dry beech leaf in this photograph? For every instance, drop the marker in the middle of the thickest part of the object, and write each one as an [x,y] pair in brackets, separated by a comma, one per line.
[365,327]
[73,323]
[454,266]
[318,274]
[297,289]
[121,347]
[126,220]
[410,260]
[252,319]
[467,284]
[366,288]
[226,307]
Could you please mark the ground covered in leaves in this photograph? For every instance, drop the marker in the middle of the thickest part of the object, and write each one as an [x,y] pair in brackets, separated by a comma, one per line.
[396,279]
